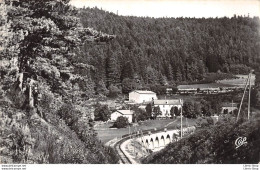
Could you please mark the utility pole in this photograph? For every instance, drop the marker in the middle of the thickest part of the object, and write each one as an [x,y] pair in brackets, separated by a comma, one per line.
[249,94]
[232,107]
[129,132]
[242,99]
[248,82]
[181,117]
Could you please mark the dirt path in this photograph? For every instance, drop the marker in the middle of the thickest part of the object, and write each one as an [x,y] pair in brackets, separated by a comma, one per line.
[171,123]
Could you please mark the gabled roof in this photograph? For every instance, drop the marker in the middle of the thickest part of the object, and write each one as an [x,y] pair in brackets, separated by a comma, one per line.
[125,112]
[143,92]
[167,102]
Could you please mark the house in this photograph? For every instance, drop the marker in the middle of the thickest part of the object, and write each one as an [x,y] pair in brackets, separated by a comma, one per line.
[142,96]
[166,105]
[126,113]
[228,107]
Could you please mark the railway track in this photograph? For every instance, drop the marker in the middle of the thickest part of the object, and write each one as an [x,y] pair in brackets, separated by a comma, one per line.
[123,158]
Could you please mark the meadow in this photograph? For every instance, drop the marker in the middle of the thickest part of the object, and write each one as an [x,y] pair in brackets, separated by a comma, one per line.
[105,133]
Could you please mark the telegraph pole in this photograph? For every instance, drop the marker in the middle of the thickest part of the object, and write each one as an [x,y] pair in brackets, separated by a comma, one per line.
[248,82]
[232,108]
[249,95]
[181,119]
[242,98]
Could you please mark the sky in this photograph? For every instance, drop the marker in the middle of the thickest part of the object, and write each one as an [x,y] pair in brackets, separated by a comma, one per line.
[175,8]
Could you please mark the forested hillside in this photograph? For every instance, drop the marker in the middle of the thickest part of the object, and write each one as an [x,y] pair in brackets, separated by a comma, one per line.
[169,50]
[44,116]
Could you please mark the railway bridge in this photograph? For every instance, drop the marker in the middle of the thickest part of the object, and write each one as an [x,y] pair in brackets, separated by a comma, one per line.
[158,140]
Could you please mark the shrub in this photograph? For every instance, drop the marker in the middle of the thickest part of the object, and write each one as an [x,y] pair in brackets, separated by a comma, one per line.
[121,122]
[102,113]
[113,91]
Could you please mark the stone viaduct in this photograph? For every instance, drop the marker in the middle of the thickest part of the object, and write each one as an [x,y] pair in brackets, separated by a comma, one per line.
[158,140]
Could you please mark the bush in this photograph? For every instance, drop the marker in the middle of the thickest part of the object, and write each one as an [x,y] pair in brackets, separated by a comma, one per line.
[102,113]
[113,91]
[121,122]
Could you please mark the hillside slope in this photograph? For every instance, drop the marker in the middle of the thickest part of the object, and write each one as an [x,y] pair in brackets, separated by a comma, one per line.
[171,49]
[44,116]
[215,145]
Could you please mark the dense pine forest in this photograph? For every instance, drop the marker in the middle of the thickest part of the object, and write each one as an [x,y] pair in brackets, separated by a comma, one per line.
[170,50]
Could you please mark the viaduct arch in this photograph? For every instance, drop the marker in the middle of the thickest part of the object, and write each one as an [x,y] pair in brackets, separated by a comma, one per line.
[159,140]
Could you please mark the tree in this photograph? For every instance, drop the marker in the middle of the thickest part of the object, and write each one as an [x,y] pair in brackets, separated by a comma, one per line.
[205,108]
[149,110]
[254,97]
[175,111]
[163,80]
[156,112]
[113,91]
[197,109]
[127,71]
[128,85]
[170,73]
[121,122]
[102,113]
[188,110]
[152,75]
[140,114]
[112,70]
[101,88]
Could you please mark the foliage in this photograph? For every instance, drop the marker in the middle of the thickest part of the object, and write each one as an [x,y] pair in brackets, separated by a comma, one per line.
[175,111]
[102,113]
[129,85]
[114,91]
[140,114]
[178,49]
[121,122]
[156,112]
[40,53]
[149,109]
[101,88]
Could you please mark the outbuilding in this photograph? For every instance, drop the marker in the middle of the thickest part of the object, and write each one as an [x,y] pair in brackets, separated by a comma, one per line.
[125,113]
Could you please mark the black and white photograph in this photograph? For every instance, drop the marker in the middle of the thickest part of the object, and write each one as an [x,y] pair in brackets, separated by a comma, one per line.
[171,82]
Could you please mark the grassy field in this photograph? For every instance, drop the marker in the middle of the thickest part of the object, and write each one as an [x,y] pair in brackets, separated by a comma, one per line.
[240,81]
[208,85]
[105,133]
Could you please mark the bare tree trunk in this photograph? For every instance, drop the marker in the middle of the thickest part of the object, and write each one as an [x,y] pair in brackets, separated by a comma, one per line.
[20,79]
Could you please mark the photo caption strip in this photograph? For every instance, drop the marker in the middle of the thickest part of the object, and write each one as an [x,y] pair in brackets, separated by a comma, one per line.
[13,167]
[251,167]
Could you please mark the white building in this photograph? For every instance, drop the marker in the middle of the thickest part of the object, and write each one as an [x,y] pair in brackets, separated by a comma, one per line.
[125,113]
[228,107]
[166,105]
[140,96]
